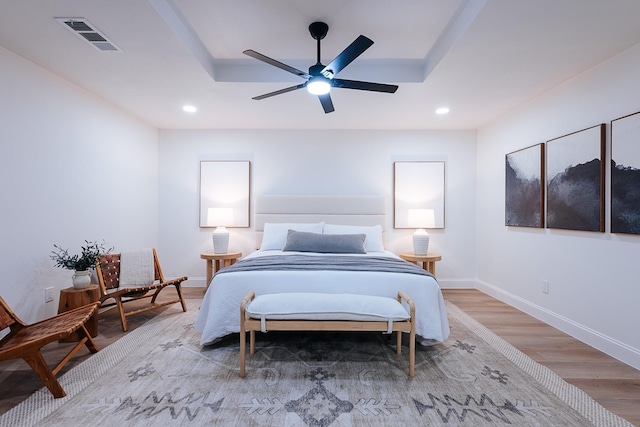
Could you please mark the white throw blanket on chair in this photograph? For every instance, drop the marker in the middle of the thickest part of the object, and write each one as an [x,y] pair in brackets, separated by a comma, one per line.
[136,268]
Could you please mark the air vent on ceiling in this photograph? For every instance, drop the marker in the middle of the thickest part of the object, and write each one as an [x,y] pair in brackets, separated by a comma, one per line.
[89,33]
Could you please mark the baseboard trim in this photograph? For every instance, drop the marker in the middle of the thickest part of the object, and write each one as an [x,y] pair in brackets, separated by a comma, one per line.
[608,345]
[457,283]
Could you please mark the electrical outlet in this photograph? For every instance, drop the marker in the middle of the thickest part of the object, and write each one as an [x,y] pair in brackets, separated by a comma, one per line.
[545,286]
[48,295]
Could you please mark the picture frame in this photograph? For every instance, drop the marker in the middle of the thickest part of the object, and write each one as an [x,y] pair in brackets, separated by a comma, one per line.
[225,184]
[418,185]
[575,180]
[625,174]
[524,187]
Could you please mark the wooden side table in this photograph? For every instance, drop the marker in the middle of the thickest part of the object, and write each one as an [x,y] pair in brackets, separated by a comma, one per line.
[428,261]
[217,261]
[71,298]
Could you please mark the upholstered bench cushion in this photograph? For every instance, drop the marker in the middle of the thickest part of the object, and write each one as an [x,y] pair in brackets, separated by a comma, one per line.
[320,306]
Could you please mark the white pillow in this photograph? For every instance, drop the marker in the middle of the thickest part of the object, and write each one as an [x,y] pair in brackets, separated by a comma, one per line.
[275,234]
[373,243]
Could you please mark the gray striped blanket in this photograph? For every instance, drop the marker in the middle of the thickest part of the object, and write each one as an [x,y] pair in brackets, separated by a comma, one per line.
[326,263]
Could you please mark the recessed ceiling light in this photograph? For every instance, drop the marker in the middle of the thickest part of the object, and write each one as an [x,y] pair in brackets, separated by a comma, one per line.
[189,109]
[442,110]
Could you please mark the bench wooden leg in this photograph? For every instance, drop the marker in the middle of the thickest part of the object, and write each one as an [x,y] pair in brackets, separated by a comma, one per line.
[243,332]
[243,344]
[412,350]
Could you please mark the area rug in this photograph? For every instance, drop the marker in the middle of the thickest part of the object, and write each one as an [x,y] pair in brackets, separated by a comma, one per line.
[158,374]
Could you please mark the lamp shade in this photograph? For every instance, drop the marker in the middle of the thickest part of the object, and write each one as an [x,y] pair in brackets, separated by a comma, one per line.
[422,218]
[220,217]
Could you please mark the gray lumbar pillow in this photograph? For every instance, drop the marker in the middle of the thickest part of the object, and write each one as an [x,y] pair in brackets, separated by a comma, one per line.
[300,241]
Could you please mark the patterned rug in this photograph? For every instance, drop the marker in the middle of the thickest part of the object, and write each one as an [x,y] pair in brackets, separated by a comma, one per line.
[158,374]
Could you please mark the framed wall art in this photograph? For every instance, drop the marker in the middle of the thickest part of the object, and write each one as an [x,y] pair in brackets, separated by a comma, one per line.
[524,187]
[625,174]
[225,188]
[418,185]
[575,180]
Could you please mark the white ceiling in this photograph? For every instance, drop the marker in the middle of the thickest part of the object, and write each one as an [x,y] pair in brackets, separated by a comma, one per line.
[478,57]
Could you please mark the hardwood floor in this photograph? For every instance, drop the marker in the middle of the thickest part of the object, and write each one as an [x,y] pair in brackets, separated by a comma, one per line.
[613,384]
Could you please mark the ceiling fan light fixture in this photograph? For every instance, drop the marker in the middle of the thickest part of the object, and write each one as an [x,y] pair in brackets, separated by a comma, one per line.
[321,78]
[318,86]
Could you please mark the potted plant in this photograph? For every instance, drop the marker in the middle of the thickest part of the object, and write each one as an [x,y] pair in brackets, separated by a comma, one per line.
[82,264]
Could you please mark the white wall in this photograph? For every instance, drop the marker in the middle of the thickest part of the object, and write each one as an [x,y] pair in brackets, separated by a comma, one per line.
[72,168]
[594,286]
[316,162]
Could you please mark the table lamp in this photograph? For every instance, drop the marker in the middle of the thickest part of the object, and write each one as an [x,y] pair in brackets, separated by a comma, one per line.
[220,218]
[421,219]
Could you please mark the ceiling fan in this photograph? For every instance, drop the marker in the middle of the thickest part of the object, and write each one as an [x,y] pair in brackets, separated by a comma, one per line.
[320,78]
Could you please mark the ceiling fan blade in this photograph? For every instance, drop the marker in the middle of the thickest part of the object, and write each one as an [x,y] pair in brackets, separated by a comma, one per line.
[355,84]
[326,102]
[271,61]
[347,56]
[279,92]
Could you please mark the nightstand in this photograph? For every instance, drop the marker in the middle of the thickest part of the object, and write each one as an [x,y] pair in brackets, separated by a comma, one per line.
[217,261]
[428,261]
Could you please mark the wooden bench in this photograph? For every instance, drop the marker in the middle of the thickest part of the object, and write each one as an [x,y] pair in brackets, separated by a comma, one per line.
[329,312]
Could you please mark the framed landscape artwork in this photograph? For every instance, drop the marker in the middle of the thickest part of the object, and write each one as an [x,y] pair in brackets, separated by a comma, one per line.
[524,188]
[575,180]
[625,174]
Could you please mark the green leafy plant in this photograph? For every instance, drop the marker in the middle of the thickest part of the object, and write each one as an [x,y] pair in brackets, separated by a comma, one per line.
[90,253]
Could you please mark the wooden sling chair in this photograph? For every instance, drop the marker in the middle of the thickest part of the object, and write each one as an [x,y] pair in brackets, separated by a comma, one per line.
[108,272]
[26,341]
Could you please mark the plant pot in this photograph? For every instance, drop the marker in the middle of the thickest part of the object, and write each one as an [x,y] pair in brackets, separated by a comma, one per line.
[81,279]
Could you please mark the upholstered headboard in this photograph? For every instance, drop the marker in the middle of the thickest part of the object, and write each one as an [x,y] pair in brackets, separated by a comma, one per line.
[344,210]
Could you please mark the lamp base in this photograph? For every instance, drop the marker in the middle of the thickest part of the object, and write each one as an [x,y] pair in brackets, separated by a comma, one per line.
[220,241]
[420,243]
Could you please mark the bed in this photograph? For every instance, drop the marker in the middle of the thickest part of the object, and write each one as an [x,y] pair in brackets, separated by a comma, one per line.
[320,244]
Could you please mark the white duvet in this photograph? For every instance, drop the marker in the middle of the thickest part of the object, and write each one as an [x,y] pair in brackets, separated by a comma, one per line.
[219,313]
